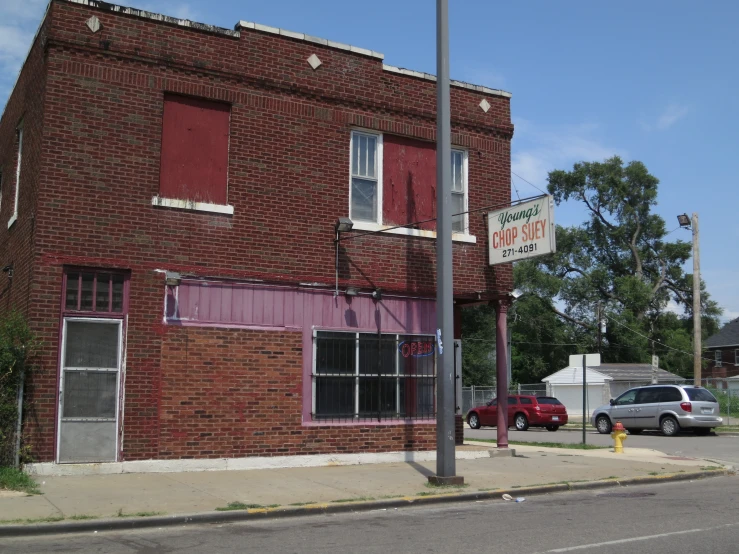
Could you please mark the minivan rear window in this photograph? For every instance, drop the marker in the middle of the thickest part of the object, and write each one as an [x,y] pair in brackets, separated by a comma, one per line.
[700,395]
[547,400]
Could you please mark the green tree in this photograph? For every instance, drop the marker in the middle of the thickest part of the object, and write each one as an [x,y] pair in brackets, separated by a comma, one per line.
[620,258]
[17,344]
[478,346]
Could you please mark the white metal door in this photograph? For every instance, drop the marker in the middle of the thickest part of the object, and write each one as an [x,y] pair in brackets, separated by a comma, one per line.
[88,394]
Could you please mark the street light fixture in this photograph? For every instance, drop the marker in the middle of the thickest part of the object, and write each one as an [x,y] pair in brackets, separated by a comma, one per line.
[683,220]
[342,225]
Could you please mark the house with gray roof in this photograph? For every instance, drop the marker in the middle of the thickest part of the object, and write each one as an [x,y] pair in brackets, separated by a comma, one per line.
[604,381]
[723,349]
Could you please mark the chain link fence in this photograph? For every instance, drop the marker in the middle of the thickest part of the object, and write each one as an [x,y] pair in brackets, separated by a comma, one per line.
[726,392]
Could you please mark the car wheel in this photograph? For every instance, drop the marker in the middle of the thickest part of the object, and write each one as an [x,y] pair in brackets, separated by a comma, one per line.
[702,431]
[669,426]
[552,427]
[635,431]
[603,424]
[474,420]
[522,423]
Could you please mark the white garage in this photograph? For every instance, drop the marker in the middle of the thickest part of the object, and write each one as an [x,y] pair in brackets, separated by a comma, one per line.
[566,385]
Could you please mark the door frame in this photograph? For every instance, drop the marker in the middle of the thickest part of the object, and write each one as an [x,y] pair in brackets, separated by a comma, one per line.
[120,322]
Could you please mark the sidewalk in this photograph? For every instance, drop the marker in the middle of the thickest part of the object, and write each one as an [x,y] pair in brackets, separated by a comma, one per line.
[140,495]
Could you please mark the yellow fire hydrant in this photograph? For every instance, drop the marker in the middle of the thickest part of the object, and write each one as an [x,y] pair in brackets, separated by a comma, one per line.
[618,436]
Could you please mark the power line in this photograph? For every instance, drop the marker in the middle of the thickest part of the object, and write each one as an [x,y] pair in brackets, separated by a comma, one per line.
[516,189]
[529,182]
[654,340]
[414,223]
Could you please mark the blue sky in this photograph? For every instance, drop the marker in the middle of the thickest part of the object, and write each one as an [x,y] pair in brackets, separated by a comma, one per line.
[651,81]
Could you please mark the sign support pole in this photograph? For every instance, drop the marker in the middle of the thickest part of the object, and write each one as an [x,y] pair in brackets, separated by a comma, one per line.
[584,396]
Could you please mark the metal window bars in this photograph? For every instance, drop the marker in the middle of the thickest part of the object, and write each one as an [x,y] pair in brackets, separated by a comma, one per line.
[373,377]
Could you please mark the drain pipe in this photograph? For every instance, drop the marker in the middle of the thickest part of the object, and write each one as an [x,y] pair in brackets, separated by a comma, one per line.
[18,423]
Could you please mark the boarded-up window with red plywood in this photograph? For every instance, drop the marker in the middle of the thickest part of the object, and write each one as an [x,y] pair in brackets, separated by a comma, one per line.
[194,163]
[409,181]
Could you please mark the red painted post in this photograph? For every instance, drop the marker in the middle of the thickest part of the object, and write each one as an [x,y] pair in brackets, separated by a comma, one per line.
[501,363]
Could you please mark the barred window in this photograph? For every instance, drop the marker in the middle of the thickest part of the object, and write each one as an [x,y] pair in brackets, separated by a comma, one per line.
[96,291]
[370,376]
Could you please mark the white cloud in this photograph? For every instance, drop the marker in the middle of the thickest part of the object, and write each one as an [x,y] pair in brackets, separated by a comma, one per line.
[538,150]
[672,114]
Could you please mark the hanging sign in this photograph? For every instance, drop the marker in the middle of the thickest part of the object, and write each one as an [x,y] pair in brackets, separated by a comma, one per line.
[522,231]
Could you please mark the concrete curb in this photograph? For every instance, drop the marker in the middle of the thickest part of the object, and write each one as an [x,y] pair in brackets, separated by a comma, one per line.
[593,430]
[117,524]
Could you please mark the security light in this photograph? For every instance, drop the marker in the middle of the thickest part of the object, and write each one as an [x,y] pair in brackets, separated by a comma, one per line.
[344,224]
[683,220]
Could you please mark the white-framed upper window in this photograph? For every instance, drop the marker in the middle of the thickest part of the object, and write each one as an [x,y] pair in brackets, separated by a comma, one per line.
[459,191]
[366,185]
[717,358]
[365,193]
[736,357]
[17,175]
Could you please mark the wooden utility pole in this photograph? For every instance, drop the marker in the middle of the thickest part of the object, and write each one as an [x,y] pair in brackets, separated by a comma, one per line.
[696,303]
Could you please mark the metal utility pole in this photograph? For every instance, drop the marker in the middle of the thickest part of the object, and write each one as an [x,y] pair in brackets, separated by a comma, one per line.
[445,444]
[696,304]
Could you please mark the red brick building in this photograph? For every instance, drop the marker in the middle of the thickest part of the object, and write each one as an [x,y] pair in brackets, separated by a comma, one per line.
[169,199]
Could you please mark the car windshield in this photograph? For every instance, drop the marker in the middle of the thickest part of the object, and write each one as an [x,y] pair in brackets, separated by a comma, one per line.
[700,395]
[547,400]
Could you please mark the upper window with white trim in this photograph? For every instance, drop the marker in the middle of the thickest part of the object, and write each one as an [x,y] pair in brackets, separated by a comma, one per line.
[366,187]
[393,183]
[717,358]
[736,358]
[459,191]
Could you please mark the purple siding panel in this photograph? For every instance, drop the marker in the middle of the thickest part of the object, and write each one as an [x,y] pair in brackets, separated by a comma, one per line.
[258,305]
[201,303]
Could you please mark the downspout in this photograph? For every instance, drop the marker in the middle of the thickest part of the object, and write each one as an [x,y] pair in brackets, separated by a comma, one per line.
[18,425]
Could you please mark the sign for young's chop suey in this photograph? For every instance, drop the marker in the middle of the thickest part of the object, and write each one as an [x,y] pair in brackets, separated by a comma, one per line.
[522,231]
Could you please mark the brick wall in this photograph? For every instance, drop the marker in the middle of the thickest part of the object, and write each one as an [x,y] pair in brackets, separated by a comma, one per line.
[93,114]
[727,367]
[288,167]
[237,393]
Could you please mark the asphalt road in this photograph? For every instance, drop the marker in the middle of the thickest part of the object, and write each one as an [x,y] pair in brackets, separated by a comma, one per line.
[712,447]
[698,516]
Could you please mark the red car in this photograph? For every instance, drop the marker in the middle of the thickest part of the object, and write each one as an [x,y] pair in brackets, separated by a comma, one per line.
[523,412]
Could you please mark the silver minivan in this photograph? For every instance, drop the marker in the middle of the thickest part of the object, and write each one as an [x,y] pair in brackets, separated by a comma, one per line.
[668,408]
